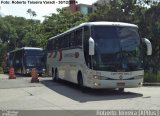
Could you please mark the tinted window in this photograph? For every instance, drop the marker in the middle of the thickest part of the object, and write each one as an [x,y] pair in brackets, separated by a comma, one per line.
[66,40]
[86,45]
[49,45]
[35,61]
[117,48]
[69,40]
[78,37]
[72,39]
[34,52]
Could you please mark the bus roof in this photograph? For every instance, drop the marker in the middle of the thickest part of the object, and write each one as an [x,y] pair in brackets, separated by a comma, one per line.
[101,23]
[108,24]
[26,48]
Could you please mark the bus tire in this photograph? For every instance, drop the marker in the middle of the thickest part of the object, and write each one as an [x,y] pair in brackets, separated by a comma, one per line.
[56,78]
[120,90]
[80,82]
[53,74]
[40,74]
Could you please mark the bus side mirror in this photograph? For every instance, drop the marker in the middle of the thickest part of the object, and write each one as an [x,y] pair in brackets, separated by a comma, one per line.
[91,46]
[149,46]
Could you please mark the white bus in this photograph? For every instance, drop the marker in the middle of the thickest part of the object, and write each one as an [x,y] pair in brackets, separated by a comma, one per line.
[98,55]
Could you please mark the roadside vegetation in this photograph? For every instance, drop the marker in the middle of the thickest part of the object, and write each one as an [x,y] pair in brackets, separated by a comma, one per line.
[18,32]
[151,77]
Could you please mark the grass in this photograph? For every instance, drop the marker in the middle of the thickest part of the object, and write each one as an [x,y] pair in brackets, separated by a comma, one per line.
[1,70]
[151,77]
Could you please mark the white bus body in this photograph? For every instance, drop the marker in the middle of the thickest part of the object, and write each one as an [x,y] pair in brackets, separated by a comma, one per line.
[116,63]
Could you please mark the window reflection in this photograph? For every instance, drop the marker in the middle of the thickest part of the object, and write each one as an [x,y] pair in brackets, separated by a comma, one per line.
[117,48]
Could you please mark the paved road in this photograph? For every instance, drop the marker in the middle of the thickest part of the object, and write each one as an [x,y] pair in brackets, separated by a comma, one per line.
[20,94]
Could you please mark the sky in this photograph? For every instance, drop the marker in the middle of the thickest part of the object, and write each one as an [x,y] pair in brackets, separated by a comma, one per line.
[17,9]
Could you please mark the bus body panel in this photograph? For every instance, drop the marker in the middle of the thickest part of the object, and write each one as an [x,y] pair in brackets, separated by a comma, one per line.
[68,66]
[101,84]
[68,71]
[69,61]
[113,79]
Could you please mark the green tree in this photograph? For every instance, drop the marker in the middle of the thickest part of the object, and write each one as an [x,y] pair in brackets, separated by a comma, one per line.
[13,31]
[31,13]
[152,24]
[144,13]
[115,10]
[58,23]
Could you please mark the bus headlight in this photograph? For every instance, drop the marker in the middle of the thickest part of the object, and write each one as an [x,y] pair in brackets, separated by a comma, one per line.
[27,70]
[96,77]
[100,77]
[43,69]
[96,84]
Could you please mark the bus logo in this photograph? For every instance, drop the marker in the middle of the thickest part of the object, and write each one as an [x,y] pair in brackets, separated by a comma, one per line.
[120,77]
[76,54]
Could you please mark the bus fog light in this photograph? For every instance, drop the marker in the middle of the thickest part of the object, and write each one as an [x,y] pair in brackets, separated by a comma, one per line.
[96,84]
[27,70]
[140,83]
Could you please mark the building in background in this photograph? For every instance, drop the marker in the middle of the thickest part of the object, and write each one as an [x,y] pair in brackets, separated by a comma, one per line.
[99,2]
[84,8]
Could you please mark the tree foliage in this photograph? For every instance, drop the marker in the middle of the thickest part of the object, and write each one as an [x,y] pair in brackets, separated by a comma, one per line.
[31,13]
[60,22]
[16,32]
[144,13]
[19,32]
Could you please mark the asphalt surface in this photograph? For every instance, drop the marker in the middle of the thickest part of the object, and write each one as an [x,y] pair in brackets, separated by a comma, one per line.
[21,94]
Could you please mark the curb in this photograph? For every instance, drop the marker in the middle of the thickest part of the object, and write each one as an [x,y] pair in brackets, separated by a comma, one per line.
[151,84]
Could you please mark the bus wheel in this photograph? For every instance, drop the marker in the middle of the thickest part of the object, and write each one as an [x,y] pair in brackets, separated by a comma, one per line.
[80,82]
[56,76]
[120,90]
[52,74]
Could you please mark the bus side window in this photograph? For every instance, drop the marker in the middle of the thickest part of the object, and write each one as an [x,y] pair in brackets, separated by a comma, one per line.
[17,61]
[72,39]
[62,39]
[60,44]
[53,47]
[78,37]
[49,46]
[86,45]
[56,44]
[11,60]
[67,42]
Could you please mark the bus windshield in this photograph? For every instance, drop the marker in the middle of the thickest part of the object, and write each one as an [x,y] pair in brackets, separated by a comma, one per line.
[34,58]
[117,48]
[35,61]
[31,52]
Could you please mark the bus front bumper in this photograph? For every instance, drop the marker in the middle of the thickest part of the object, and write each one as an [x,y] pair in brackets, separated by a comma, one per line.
[42,71]
[114,83]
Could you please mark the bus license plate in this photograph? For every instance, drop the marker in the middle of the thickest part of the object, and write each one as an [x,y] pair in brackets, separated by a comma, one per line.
[121,84]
